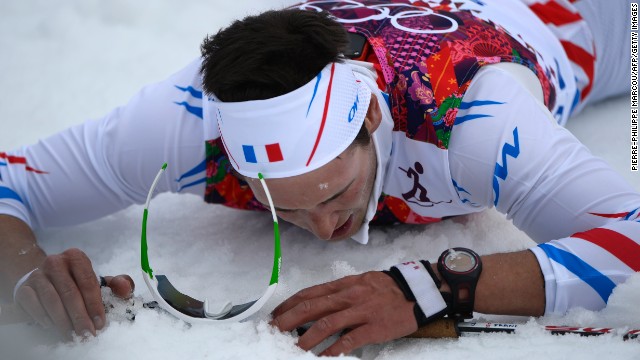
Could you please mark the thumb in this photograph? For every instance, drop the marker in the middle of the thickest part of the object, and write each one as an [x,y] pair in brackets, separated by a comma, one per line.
[122,286]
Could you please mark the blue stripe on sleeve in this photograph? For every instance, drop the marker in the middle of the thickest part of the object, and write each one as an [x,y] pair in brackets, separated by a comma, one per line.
[469,105]
[6,193]
[195,93]
[460,119]
[631,214]
[197,111]
[459,188]
[476,103]
[598,281]
[196,170]
[194,183]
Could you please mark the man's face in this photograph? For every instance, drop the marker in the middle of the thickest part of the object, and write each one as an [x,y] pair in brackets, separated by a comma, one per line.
[331,202]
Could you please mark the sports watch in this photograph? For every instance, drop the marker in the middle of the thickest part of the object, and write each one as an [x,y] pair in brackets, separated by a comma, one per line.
[460,268]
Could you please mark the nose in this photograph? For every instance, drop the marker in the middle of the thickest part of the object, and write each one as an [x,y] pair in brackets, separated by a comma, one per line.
[322,222]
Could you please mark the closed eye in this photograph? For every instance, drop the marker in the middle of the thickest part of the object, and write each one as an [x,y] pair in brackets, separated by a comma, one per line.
[338,194]
[335,196]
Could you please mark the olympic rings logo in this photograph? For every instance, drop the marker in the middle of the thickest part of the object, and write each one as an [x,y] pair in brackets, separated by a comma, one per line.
[383,11]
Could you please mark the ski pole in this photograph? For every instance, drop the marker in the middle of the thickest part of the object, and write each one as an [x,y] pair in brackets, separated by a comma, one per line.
[449,328]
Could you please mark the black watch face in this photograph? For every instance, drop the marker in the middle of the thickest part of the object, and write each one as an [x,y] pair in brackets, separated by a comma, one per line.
[460,261]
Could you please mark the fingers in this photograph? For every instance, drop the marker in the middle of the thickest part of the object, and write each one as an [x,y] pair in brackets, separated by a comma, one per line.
[313,292]
[350,341]
[76,285]
[39,298]
[310,310]
[371,306]
[65,293]
[56,311]
[330,325]
[122,285]
[87,284]
[28,298]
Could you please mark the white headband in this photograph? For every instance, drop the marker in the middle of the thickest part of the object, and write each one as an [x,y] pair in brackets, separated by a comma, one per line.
[297,132]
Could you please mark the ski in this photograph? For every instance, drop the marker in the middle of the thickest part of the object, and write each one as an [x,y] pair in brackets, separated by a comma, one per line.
[449,328]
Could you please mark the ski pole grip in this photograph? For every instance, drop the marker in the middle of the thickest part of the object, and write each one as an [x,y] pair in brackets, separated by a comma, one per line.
[441,328]
[12,314]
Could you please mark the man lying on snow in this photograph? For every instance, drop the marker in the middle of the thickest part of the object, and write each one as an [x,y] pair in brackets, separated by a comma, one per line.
[359,113]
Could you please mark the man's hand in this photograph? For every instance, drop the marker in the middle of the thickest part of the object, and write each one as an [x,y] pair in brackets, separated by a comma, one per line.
[64,292]
[370,307]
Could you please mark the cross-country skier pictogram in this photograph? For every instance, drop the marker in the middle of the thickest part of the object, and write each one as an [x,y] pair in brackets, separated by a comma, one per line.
[422,199]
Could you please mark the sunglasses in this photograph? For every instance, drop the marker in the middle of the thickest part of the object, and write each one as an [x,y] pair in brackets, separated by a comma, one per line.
[192,310]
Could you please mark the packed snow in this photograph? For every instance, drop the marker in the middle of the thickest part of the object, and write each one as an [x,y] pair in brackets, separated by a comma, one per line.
[66,61]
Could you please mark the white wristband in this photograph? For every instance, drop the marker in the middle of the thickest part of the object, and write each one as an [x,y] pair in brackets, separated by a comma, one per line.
[424,289]
[20,282]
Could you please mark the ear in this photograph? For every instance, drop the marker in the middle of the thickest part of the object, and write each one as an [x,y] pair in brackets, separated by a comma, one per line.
[374,115]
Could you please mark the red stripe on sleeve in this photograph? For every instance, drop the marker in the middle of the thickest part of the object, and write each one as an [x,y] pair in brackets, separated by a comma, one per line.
[29,168]
[583,59]
[612,216]
[554,13]
[620,246]
[13,159]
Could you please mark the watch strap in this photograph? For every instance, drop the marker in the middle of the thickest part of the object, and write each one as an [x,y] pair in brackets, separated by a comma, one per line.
[461,309]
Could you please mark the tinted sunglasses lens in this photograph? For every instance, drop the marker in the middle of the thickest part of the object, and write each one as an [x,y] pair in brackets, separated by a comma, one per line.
[237,310]
[179,301]
[190,306]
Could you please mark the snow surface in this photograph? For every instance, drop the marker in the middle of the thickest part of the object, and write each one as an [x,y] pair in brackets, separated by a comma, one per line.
[66,61]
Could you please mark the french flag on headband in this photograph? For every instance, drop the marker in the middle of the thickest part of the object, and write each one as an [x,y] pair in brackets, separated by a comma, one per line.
[258,154]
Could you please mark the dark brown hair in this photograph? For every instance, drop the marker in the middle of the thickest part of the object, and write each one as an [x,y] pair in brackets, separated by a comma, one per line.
[271,54]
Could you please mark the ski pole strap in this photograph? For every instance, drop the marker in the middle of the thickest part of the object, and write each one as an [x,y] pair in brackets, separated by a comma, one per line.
[418,283]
